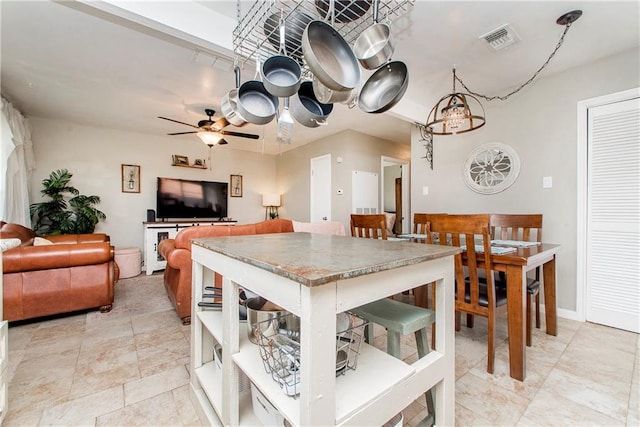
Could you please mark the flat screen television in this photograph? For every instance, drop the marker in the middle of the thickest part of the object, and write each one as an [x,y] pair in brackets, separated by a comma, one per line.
[186,199]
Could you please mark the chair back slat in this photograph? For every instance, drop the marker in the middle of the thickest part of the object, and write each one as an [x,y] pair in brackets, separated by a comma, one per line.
[370,226]
[469,230]
[421,225]
[523,227]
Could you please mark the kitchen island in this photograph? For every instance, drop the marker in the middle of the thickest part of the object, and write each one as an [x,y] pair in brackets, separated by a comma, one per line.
[316,276]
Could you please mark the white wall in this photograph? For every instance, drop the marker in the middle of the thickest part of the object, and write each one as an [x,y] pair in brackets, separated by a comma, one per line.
[357,151]
[94,157]
[540,124]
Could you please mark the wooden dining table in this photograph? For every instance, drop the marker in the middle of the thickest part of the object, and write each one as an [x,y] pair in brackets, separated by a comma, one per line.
[515,264]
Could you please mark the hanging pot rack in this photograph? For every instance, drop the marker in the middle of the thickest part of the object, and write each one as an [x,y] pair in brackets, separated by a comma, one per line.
[257,34]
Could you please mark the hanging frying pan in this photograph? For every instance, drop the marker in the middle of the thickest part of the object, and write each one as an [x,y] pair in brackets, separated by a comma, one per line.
[329,57]
[384,88]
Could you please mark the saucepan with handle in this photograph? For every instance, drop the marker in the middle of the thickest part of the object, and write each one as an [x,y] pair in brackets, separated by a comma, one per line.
[281,73]
[255,103]
[228,105]
[374,46]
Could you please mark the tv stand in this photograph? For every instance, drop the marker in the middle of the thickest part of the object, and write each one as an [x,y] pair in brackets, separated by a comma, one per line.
[155,232]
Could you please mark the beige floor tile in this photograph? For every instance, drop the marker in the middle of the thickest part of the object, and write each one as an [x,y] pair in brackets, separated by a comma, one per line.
[599,396]
[84,384]
[144,388]
[106,356]
[159,410]
[466,417]
[187,413]
[83,411]
[23,416]
[130,367]
[552,409]
[499,406]
[158,320]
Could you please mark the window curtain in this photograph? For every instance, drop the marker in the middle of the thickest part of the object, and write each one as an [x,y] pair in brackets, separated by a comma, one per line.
[18,163]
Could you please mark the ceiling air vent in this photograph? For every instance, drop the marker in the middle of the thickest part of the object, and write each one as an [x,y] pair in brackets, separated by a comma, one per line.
[501,37]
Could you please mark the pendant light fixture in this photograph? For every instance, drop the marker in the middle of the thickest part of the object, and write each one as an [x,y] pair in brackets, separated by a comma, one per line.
[453,114]
[462,112]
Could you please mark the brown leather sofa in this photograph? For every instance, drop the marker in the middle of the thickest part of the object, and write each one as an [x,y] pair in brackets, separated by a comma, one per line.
[76,272]
[177,252]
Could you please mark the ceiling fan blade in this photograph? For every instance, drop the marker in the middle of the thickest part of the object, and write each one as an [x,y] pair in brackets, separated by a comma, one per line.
[182,133]
[222,142]
[220,124]
[239,134]
[176,121]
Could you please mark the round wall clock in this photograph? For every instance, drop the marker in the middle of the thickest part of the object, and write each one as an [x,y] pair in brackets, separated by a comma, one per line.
[491,168]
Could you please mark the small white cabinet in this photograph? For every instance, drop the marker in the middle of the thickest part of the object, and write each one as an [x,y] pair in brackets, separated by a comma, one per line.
[155,232]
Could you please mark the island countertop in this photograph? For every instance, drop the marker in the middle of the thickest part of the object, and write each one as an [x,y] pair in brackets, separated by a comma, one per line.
[316,259]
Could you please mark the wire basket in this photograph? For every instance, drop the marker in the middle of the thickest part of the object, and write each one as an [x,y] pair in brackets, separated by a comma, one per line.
[280,350]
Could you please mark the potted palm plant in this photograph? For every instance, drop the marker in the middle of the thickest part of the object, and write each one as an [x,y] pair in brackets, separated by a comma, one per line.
[77,215]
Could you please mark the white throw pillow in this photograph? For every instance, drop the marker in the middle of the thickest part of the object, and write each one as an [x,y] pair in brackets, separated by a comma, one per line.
[9,243]
[41,241]
[391,220]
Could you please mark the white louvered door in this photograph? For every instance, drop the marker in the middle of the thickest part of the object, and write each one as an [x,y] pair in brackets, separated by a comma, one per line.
[613,230]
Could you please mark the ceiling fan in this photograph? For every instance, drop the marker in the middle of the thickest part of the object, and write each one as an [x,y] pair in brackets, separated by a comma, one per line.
[211,131]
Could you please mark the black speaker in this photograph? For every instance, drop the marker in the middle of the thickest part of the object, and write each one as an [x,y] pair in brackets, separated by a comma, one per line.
[151,215]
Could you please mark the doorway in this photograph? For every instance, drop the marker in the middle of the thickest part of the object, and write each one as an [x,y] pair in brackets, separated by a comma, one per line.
[609,210]
[394,191]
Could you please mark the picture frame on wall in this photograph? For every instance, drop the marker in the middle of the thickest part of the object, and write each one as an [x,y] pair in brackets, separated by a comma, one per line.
[179,160]
[130,178]
[235,185]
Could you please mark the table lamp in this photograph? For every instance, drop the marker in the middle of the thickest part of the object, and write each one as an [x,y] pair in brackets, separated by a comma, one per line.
[271,202]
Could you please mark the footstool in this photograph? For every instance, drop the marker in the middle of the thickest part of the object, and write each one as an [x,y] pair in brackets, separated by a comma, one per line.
[129,261]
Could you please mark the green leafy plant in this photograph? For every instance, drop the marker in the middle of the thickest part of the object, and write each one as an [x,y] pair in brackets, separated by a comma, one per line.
[59,216]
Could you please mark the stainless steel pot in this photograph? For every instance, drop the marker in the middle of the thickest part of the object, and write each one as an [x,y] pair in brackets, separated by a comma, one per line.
[229,106]
[255,104]
[384,88]
[281,73]
[306,108]
[329,96]
[374,46]
[329,57]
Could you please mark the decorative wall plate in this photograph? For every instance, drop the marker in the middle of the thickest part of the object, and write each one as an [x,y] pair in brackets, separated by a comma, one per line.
[491,168]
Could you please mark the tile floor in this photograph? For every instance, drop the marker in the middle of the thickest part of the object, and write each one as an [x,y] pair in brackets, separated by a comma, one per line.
[130,368]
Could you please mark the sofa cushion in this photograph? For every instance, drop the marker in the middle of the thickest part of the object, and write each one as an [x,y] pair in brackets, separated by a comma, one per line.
[9,243]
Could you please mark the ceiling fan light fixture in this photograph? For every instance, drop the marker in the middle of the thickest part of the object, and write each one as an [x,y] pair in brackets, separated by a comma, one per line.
[209,138]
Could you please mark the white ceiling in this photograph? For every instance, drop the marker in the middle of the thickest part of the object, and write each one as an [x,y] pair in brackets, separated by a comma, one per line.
[71,61]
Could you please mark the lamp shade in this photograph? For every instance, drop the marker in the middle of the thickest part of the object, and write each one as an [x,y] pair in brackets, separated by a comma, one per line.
[209,138]
[270,200]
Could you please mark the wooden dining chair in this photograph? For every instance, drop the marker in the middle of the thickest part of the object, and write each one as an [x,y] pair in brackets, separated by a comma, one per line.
[473,296]
[370,226]
[398,318]
[521,227]
[421,223]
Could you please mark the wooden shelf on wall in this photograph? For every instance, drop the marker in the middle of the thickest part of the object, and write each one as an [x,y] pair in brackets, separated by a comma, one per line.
[192,166]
